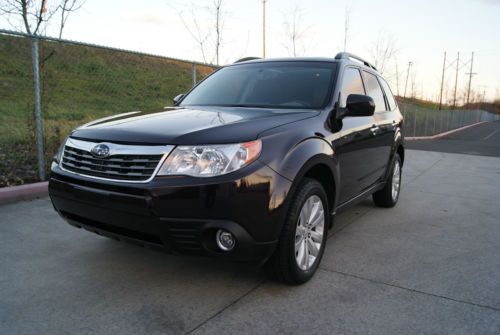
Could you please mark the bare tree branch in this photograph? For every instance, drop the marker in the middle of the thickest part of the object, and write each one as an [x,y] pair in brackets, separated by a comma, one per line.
[347,18]
[294,31]
[196,33]
[207,36]
[218,28]
[67,7]
[383,52]
[35,14]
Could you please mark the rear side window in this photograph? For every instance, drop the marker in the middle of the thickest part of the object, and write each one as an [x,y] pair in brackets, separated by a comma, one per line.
[388,94]
[373,90]
[351,84]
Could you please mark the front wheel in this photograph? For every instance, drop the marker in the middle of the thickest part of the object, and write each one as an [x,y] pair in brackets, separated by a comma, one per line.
[303,238]
[389,195]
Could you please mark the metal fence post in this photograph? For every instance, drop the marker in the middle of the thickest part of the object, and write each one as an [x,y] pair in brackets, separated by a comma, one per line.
[434,117]
[38,108]
[425,122]
[414,123]
[193,73]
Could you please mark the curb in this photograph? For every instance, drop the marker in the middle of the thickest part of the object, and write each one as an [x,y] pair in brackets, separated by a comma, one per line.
[433,137]
[23,192]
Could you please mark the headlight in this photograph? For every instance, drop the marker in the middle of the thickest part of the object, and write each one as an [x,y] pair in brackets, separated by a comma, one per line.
[60,151]
[210,160]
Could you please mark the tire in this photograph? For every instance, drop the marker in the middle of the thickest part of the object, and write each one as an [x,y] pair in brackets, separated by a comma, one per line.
[389,195]
[304,228]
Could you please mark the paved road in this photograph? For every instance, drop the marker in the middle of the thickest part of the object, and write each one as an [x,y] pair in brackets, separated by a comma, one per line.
[483,140]
[429,266]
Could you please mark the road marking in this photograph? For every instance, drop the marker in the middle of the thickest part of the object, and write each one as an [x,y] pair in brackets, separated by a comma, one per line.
[493,133]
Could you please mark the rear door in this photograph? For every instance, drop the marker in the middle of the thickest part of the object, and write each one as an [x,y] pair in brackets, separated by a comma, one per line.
[388,120]
[380,130]
[354,145]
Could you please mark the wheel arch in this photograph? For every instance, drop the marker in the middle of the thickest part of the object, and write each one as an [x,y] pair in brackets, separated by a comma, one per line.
[313,158]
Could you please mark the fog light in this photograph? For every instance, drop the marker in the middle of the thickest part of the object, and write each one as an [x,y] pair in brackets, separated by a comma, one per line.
[225,240]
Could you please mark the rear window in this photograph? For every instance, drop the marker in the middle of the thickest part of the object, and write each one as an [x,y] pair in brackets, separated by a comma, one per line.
[300,85]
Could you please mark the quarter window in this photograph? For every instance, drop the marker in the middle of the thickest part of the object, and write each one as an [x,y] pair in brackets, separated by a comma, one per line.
[373,90]
[388,94]
[351,84]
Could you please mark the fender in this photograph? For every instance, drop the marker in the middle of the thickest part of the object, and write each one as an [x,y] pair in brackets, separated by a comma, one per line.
[302,157]
[398,142]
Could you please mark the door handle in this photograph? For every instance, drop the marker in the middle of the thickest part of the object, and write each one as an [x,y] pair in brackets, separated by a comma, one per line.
[374,129]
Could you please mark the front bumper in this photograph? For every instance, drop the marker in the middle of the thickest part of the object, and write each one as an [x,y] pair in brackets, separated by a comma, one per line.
[180,214]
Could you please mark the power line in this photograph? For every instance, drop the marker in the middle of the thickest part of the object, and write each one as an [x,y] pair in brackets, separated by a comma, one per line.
[456,64]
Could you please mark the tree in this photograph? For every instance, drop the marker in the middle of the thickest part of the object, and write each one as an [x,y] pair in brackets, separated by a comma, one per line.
[67,7]
[33,16]
[209,36]
[383,52]
[294,31]
[347,17]
[219,25]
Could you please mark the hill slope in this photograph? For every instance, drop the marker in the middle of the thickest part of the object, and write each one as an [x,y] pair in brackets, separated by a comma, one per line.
[79,83]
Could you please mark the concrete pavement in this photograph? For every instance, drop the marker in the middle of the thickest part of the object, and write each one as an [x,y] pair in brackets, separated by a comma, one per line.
[428,266]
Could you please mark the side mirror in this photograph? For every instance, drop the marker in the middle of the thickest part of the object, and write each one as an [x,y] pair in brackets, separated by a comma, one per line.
[359,105]
[178,99]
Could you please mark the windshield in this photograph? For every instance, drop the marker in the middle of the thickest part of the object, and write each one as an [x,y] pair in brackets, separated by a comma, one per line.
[300,85]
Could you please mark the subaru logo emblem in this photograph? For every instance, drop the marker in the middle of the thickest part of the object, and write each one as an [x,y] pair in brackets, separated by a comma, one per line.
[100,151]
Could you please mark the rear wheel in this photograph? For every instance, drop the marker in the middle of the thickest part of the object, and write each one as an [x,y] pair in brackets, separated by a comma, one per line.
[303,238]
[389,195]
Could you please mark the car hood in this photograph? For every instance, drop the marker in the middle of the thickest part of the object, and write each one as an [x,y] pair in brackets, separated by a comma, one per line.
[179,125]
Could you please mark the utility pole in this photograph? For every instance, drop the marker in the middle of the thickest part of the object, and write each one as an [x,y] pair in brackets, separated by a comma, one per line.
[442,82]
[470,76]
[407,75]
[264,28]
[456,81]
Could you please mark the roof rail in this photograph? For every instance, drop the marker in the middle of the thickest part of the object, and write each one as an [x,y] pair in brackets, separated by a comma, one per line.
[246,59]
[347,55]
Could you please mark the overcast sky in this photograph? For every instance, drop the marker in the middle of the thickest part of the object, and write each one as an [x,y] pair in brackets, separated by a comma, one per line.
[421,30]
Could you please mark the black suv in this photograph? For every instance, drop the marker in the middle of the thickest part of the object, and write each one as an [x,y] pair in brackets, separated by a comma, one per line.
[251,164]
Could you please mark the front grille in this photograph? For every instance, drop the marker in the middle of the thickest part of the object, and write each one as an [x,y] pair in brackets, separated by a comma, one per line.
[119,167]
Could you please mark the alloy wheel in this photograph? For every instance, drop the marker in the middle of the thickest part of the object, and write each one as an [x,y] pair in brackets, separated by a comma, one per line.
[309,232]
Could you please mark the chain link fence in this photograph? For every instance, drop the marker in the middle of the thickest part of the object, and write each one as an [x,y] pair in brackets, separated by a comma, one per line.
[82,82]
[78,83]
[419,121]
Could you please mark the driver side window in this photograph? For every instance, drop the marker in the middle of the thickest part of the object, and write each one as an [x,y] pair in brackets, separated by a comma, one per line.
[351,84]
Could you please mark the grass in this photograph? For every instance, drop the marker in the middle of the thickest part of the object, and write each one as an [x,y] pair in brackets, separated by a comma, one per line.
[79,84]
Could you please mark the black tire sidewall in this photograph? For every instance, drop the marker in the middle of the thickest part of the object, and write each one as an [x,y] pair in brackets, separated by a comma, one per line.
[383,198]
[307,189]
